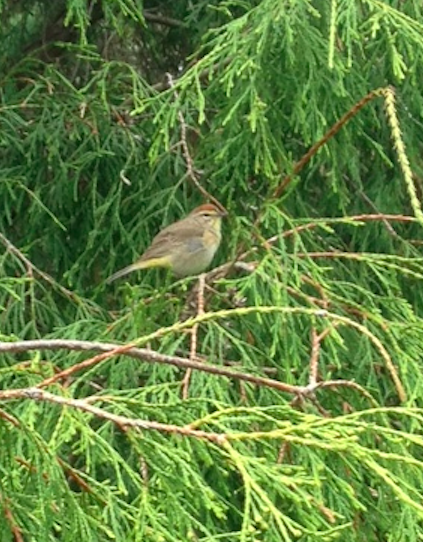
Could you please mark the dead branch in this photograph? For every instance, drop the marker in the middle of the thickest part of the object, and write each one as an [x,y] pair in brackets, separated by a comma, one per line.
[144,354]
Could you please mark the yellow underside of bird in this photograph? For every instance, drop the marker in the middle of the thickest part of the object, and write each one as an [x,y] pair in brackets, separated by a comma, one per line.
[138,266]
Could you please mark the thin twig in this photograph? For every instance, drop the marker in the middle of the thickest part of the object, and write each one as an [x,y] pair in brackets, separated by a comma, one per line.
[370,203]
[314,357]
[186,152]
[66,373]
[315,353]
[14,527]
[194,335]
[162,19]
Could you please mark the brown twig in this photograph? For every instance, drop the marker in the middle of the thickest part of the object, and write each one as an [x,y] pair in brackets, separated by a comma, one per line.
[314,357]
[76,477]
[194,335]
[11,419]
[298,166]
[315,353]
[66,373]
[283,451]
[186,152]
[14,527]
[370,203]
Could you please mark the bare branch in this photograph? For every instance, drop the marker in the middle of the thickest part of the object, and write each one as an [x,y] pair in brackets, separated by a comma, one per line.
[144,354]
[150,356]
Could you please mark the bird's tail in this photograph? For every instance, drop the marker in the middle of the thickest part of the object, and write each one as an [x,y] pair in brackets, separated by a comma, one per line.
[125,271]
[140,264]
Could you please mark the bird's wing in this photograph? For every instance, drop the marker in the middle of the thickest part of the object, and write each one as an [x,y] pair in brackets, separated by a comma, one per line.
[176,233]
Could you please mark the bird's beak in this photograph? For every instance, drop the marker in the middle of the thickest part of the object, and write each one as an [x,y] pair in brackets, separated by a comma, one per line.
[223,212]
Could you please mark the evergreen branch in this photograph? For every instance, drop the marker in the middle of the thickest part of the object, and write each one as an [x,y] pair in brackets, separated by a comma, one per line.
[344,220]
[298,166]
[31,268]
[222,270]
[374,258]
[286,525]
[203,74]
[242,311]
[123,422]
[389,95]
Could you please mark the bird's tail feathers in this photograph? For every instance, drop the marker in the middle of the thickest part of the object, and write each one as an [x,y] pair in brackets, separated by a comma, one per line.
[140,264]
[125,271]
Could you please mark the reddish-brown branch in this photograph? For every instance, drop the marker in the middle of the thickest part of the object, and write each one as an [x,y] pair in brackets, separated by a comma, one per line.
[86,364]
[298,166]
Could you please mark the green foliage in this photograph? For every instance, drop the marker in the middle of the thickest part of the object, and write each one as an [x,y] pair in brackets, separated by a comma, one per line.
[92,165]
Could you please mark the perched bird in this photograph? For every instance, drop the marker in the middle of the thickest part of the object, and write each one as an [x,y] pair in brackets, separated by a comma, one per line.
[186,247]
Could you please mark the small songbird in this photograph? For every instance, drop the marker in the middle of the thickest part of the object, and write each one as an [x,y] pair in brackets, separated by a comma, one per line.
[186,247]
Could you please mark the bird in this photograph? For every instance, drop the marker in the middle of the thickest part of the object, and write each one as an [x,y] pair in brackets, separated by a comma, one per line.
[186,247]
